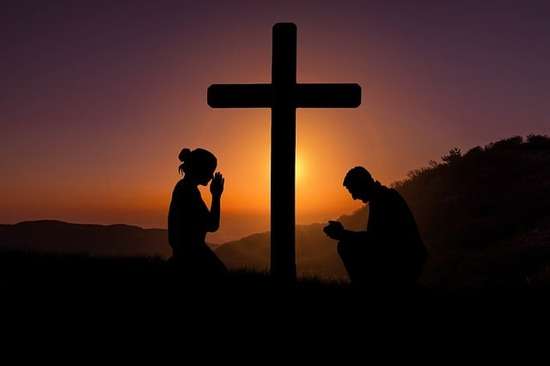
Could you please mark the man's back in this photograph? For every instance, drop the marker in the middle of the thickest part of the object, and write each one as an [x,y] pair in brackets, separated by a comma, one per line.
[397,248]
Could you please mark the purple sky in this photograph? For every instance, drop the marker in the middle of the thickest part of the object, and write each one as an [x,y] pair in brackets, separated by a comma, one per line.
[98,97]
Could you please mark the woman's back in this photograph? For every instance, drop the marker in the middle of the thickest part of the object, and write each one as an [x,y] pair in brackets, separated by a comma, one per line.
[187,218]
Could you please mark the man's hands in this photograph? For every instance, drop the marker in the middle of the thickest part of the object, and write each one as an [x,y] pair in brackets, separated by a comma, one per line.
[334,230]
[216,186]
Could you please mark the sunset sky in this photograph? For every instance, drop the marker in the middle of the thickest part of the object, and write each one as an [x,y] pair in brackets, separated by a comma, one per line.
[98,98]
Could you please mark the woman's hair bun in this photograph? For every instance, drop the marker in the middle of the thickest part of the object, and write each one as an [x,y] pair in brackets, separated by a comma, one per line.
[184,155]
[200,159]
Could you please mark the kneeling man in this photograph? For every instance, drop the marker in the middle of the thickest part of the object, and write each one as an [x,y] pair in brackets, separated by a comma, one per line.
[390,253]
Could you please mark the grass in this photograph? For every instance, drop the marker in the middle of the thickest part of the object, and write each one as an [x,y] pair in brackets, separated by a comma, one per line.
[46,274]
[73,273]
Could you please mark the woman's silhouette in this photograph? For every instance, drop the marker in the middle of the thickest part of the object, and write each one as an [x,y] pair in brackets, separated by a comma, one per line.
[189,218]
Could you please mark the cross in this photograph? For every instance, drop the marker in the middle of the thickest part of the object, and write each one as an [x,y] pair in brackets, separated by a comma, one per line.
[283,96]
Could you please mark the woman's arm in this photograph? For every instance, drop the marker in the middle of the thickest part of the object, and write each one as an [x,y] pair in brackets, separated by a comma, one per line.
[216,188]
[214,219]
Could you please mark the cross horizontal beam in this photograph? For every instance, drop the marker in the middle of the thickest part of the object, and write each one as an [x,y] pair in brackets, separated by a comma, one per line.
[301,95]
[240,96]
[327,95]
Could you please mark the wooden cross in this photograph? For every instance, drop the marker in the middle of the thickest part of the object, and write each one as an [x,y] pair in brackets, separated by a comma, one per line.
[283,96]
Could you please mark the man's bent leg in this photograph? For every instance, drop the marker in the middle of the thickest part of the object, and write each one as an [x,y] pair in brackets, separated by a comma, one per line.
[353,256]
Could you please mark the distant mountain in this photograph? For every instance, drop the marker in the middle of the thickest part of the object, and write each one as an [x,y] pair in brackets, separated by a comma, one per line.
[102,240]
[481,214]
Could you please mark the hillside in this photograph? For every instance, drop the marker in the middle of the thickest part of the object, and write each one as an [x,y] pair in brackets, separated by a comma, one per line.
[484,215]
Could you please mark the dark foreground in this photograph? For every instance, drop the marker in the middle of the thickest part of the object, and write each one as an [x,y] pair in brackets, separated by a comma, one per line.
[79,289]
[34,272]
[78,274]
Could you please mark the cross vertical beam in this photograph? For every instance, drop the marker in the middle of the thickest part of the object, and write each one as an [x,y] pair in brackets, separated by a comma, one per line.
[283,153]
[283,96]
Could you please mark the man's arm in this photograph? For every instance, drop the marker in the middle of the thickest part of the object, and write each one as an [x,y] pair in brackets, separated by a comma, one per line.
[335,230]
[348,235]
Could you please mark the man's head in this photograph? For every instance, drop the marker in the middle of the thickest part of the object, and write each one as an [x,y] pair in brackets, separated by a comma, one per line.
[359,183]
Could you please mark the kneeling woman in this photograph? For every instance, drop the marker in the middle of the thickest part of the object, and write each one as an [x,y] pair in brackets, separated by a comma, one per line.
[189,218]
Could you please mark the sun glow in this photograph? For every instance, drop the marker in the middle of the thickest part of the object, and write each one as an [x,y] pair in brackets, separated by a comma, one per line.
[300,168]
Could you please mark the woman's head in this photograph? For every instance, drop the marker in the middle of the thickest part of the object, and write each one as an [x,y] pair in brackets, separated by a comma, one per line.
[198,165]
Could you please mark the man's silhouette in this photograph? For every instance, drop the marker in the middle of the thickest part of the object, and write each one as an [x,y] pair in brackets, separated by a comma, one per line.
[390,253]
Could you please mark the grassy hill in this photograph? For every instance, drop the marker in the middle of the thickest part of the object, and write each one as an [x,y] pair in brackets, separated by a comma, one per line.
[484,215]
